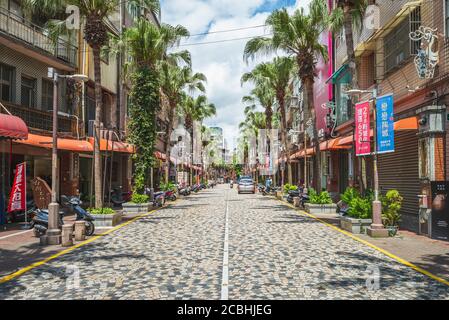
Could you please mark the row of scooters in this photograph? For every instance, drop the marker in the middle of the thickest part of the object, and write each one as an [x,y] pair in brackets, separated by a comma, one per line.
[301,193]
[187,190]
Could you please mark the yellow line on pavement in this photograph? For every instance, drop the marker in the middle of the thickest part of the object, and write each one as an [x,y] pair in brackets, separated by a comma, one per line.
[65,251]
[369,244]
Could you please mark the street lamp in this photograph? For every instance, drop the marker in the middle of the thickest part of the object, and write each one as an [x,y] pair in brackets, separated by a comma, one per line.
[377,228]
[53,235]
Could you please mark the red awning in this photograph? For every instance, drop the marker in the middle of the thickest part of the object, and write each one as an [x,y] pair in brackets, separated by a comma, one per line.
[36,140]
[160,155]
[331,144]
[12,127]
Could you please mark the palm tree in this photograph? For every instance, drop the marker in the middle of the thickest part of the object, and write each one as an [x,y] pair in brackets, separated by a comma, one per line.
[93,14]
[277,75]
[298,36]
[349,16]
[174,80]
[147,45]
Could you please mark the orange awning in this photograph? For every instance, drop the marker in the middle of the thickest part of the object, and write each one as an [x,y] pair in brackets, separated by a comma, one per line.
[116,146]
[331,145]
[300,154]
[348,139]
[63,144]
[406,124]
[160,155]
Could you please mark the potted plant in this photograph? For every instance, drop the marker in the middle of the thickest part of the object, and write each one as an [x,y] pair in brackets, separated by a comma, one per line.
[360,212]
[105,217]
[320,203]
[139,204]
[391,205]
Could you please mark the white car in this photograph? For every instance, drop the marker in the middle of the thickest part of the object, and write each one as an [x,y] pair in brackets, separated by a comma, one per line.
[246,185]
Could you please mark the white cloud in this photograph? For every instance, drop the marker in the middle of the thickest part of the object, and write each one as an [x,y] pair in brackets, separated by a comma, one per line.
[222,62]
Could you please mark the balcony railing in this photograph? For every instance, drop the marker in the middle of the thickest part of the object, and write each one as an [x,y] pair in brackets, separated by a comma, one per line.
[19,28]
[40,120]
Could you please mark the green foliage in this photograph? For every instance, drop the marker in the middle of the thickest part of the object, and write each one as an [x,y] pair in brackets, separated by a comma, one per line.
[101,210]
[361,208]
[391,205]
[169,186]
[143,108]
[349,194]
[139,198]
[289,187]
[319,198]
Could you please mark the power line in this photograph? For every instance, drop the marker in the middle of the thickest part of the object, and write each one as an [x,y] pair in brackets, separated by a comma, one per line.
[220,41]
[227,30]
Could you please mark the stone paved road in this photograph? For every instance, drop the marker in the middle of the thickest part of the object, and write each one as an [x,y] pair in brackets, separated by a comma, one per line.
[177,253]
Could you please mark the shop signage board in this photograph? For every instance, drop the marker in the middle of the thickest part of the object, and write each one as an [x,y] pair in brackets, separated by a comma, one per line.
[440,210]
[362,129]
[385,124]
[17,198]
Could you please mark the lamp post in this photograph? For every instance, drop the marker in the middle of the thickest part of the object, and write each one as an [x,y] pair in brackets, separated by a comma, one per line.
[53,235]
[377,228]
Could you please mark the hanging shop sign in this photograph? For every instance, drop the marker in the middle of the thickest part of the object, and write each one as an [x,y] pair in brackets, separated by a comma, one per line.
[426,58]
[362,129]
[17,198]
[385,124]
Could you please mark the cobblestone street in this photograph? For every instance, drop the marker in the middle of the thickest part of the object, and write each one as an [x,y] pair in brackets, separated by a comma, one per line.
[178,253]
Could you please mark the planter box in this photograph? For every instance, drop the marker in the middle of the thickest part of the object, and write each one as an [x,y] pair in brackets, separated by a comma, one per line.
[107,220]
[354,225]
[320,208]
[130,207]
[296,202]
[279,195]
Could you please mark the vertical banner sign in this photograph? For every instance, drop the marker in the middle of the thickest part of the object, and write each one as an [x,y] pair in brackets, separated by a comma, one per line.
[17,198]
[362,129]
[385,124]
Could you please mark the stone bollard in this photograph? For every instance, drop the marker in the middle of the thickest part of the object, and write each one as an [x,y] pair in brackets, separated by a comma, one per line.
[67,235]
[80,230]
[296,201]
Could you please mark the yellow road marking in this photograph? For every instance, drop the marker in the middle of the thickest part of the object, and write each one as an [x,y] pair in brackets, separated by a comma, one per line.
[369,244]
[65,251]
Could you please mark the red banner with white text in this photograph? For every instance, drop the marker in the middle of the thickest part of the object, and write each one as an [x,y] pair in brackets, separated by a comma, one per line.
[362,128]
[17,198]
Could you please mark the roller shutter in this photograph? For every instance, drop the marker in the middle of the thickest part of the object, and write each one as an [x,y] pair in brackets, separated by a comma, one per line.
[399,170]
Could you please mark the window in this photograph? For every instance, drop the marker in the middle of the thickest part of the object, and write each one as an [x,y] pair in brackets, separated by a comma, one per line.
[47,94]
[397,44]
[6,83]
[28,92]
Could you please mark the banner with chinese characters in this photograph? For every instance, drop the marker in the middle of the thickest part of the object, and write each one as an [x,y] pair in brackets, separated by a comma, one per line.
[385,124]
[362,129]
[17,199]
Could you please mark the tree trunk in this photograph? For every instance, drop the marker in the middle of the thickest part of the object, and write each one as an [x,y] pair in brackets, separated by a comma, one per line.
[311,109]
[350,43]
[281,101]
[98,111]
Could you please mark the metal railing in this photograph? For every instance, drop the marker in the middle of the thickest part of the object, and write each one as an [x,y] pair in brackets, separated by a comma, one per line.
[32,34]
[38,119]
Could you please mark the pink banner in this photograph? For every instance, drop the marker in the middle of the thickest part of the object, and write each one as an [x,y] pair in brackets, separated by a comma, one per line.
[362,129]
[17,199]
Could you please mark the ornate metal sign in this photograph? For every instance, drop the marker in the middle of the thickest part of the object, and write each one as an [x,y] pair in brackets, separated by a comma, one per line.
[427,56]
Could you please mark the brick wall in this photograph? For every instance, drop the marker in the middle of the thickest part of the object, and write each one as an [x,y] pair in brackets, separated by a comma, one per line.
[439,159]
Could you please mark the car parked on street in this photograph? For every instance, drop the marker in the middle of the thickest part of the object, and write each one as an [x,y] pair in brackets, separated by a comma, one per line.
[246,185]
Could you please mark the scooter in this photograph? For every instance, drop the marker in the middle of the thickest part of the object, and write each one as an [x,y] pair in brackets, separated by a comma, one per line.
[118,197]
[292,194]
[19,216]
[342,208]
[157,198]
[231,185]
[170,195]
[40,220]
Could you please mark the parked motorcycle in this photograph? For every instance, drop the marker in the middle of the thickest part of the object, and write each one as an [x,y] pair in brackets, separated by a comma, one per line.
[184,191]
[342,208]
[231,185]
[19,216]
[157,198]
[170,195]
[291,194]
[40,220]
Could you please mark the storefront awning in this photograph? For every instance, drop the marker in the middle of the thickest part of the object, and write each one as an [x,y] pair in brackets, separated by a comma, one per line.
[36,140]
[337,74]
[160,155]
[300,154]
[12,127]
[332,144]
[403,124]
[116,146]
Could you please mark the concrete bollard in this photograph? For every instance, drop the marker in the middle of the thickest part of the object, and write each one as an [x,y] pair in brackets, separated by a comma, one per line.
[296,201]
[80,231]
[67,235]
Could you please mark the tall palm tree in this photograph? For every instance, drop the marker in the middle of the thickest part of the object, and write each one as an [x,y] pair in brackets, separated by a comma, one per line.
[298,36]
[348,16]
[174,81]
[277,74]
[147,45]
[263,95]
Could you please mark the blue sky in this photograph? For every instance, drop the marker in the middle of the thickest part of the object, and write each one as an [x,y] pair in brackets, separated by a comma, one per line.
[222,62]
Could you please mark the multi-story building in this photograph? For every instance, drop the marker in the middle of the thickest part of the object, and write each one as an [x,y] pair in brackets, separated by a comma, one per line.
[386,59]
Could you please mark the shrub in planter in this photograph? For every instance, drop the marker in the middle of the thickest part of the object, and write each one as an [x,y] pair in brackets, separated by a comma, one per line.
[105,217]
[391,205]
[320,203]
[360,211]
[169,186]
[319,198]
[289,187]
[139,198]
[349,194]
[139,204]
